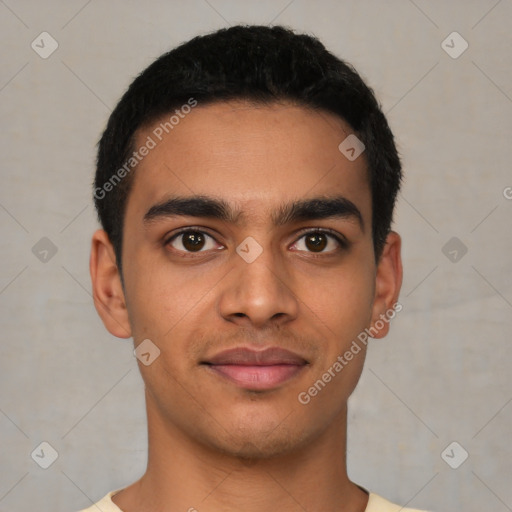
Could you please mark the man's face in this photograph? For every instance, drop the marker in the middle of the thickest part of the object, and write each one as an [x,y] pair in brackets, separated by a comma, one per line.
[198,284]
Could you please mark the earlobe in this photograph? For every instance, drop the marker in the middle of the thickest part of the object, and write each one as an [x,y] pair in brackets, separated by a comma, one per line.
[107,289]
[388,282]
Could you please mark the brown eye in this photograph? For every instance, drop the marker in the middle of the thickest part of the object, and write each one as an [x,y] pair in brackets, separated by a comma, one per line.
[192,241]
[320,241]
[316,242]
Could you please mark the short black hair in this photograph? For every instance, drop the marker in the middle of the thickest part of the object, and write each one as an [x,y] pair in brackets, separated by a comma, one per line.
[263,64]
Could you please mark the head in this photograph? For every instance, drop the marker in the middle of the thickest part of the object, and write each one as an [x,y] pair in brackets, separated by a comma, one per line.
[232,221]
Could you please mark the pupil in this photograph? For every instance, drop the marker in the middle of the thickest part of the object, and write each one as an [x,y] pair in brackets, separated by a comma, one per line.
[316,242]
[193,241]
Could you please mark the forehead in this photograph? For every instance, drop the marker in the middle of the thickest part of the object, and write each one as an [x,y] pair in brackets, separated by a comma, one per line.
[250,154]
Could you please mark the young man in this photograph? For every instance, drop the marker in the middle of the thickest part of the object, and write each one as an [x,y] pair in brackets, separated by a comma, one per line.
[246,183]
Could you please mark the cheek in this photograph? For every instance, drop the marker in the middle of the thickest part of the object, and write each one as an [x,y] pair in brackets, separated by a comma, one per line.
[155,306]
[351,304]
[342,311]
[341,299]
[163,303]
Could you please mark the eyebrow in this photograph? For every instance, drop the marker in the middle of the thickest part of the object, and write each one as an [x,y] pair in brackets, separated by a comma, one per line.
[296,211]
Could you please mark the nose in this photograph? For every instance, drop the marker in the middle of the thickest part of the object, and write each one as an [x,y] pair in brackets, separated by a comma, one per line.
[258,293]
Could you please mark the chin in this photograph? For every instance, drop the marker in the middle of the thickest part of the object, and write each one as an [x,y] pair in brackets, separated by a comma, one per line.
[252,449]
[251,444]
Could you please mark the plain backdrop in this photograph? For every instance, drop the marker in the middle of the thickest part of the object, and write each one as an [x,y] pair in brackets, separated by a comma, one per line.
[441,376]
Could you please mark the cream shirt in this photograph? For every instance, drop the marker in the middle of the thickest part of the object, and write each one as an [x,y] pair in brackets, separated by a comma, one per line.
[375,504]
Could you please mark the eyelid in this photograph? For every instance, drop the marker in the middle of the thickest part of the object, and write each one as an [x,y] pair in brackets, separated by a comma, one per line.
[186,229]
[341,239]
[199,229]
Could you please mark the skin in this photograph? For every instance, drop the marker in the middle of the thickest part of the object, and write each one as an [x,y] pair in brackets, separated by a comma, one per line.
[242,449]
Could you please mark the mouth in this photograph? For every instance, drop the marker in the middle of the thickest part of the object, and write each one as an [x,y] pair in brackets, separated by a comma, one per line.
[256,370]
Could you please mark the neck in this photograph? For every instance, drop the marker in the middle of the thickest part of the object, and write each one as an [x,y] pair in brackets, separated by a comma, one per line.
[183,475]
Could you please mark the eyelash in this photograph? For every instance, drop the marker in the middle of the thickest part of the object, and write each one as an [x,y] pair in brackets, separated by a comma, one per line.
[340,239]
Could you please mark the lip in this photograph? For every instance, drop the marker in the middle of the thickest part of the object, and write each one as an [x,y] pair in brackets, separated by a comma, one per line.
[256,369]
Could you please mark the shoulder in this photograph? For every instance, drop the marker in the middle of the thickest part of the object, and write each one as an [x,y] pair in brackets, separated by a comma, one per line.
[105,505]
[378,504]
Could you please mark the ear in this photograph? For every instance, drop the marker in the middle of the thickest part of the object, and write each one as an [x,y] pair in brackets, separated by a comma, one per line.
[107,289]
[388,281]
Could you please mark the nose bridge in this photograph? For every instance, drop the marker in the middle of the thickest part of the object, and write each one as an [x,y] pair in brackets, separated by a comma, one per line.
[259,288]
[264,270]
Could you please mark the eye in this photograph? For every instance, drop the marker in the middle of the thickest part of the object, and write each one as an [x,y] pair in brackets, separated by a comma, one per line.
[319,241]
[192,240]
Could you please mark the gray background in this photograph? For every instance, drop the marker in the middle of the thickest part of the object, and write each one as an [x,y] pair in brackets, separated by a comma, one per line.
[442,375]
